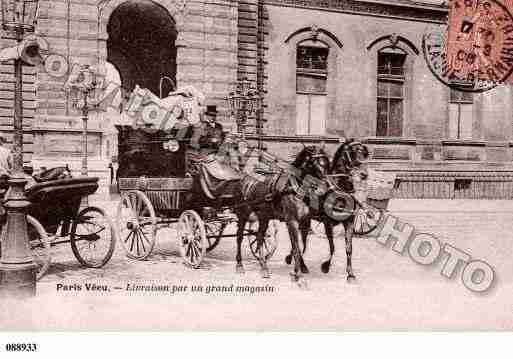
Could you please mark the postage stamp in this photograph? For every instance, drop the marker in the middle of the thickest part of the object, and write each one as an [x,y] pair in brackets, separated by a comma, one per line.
[474,50]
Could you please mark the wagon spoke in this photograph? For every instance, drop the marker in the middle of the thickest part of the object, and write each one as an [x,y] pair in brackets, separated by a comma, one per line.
[266,246]
[189,249]
[197,244]
[138,204]
[132,242]
[137,244]
[130,234]
[196,251]
[144,235]
[142,242]
[193,251]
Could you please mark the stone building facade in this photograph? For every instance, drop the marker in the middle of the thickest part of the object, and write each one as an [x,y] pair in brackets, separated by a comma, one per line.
[325,69]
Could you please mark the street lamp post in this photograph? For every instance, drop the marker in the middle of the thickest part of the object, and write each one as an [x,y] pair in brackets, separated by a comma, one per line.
[17,268]
[82,87]
[244,102]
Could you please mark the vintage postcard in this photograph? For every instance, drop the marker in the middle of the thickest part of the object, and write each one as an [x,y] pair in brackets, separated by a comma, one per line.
[285,165]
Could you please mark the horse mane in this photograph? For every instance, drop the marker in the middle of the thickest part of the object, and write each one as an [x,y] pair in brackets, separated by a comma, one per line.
[300,157]
[338,154]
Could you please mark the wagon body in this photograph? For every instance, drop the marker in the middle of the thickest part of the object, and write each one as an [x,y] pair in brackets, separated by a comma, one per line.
[167,195]
[146,166]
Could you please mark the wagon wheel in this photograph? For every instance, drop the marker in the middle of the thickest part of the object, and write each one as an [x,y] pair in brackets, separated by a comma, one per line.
[270,239]
[192,238]
[214,231]
[136,224]
[93,238]
[318,229]
[39,245]
[366,219]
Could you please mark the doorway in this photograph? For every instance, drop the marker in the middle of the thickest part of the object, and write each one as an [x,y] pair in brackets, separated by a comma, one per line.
[141,45]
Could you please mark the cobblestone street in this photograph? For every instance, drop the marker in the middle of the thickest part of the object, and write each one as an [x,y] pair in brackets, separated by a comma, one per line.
[391,291]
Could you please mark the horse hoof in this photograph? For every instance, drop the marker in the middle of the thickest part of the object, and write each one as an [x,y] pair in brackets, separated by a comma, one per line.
[304,269]
[325,267]
[239,269]
[351,278]
[302,283]
[288,259]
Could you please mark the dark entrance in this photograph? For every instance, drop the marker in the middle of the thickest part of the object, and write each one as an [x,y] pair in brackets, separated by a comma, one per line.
[141,46]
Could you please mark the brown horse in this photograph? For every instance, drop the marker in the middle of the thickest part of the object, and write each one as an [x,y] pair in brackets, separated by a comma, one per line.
[269,196]
[284,202]
[335,204]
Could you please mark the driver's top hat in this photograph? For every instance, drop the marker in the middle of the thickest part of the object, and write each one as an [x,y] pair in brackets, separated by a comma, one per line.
[211,110]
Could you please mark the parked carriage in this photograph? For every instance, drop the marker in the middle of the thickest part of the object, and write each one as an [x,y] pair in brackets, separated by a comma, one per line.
[55,217]
[154,183]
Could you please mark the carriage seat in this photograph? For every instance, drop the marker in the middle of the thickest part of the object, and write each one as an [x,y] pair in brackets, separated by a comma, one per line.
[216,178]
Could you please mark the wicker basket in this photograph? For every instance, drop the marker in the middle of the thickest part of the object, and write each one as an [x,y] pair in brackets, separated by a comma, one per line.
[380,186]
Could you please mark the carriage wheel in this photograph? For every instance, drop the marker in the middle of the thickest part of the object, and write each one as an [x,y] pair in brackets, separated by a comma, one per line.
[192,238]
[318,229]
[136,224]
[270,239]
[39,246]
[214,231]
[93,238]
[366,219]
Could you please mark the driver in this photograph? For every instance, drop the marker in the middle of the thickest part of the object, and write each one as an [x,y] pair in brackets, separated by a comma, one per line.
[206,139]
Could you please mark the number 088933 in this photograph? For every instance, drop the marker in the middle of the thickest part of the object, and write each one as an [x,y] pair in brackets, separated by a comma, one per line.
[18,347]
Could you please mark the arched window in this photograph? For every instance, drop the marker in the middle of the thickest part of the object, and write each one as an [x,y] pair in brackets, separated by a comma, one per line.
[311,87]
[394,57]
[390,93]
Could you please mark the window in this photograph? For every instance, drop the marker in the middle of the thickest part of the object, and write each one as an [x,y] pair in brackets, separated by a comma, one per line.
[460,114]
[311,91]
[390,99]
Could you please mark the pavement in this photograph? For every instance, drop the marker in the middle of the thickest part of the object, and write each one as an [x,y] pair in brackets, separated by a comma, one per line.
[391,291]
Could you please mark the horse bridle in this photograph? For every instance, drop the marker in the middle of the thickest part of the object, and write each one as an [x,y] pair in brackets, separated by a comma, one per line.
[320,156]
[351,161]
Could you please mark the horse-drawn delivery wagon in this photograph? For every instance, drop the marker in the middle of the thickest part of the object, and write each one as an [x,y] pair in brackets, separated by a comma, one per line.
[157,190]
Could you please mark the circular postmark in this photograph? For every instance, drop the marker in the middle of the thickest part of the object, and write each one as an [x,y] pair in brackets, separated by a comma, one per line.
[473,52]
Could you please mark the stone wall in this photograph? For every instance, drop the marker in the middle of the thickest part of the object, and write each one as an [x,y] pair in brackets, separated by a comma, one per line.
[354,32]
[7,100]
[77,30]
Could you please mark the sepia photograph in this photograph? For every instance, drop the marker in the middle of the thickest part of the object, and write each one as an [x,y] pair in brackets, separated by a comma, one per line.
[256,165]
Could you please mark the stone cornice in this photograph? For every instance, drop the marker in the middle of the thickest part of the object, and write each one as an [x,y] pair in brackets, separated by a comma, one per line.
[298,138]
[451,142]
[404,10]
[53,129]
[389,141]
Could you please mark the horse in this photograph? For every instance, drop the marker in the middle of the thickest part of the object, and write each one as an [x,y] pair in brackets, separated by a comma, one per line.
[346,167]
[285,202]
[268,195]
